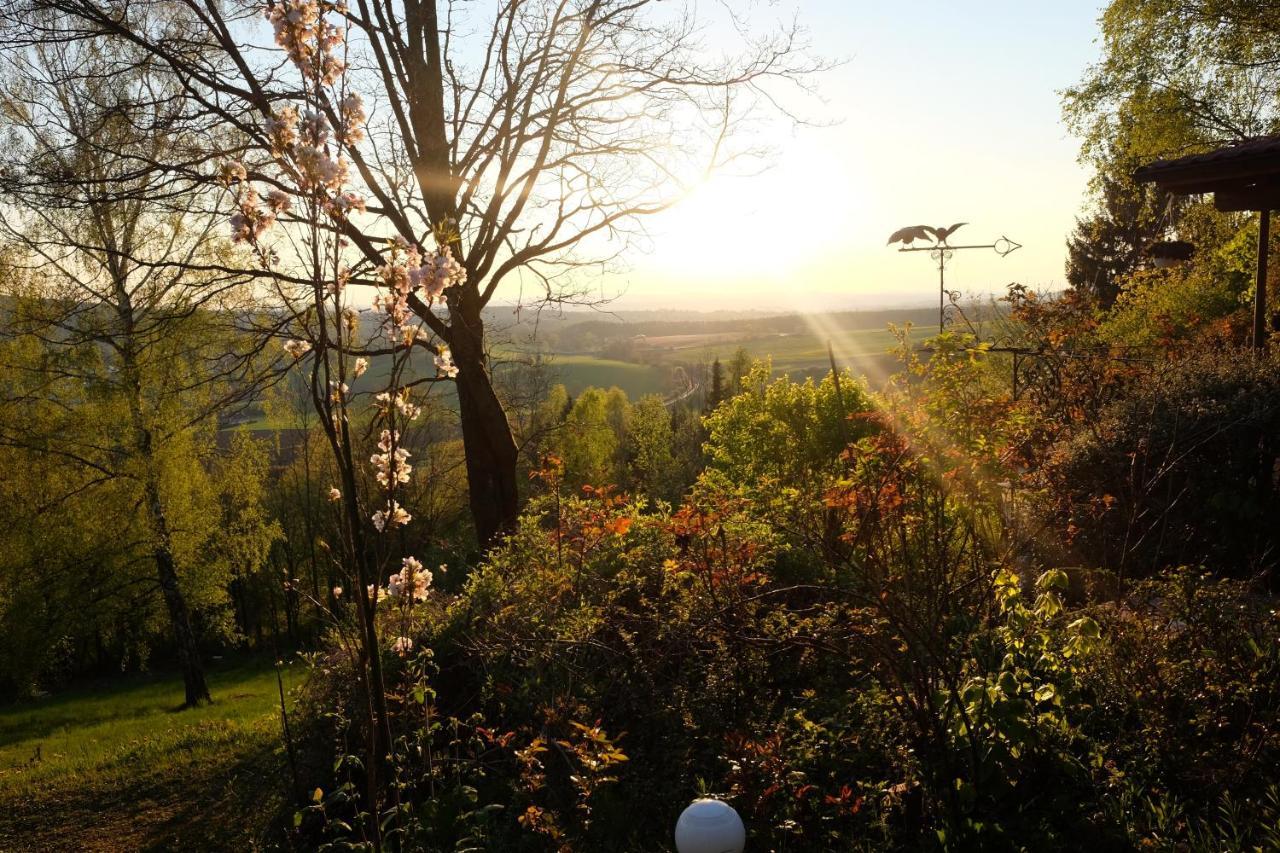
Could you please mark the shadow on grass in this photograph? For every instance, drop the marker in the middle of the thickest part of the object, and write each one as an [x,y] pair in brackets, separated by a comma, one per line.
[125,769]
[232,804]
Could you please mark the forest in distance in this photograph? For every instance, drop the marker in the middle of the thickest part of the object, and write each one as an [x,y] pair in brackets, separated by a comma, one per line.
[339,510]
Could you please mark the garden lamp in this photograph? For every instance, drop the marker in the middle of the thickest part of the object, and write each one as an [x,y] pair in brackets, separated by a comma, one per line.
[710,826]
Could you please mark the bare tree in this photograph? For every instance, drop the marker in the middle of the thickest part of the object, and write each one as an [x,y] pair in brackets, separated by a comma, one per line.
[539,133]
[121,266]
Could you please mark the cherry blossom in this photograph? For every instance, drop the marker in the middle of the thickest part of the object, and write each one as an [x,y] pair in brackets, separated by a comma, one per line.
[351,109]
[351,317]
[309,39]
[279,201]
[282,127]
[444,363]
[411,582]
[392,465]
[407,410]
[250,221]
[393,516]
[436,273]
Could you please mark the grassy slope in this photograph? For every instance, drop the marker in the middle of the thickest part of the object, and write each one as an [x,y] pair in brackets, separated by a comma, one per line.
[120,768]
[578,372]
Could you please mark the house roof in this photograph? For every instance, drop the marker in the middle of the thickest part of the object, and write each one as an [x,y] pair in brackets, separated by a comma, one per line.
[1243,176]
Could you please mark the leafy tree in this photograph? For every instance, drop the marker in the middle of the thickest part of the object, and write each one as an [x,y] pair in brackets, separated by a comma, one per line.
[651,466]
[1178,77]
[73,491]
[716,394]
[1175,78]
[122,273]
[243,541]
[739,367]
[784,434]
[588,440]
[533,137]
[1110,243]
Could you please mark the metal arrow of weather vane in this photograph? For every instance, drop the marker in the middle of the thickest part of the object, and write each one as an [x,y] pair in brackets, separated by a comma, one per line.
[941,252]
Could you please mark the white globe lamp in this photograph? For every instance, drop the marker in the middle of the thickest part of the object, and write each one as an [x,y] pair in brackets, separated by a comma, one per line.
[710,826]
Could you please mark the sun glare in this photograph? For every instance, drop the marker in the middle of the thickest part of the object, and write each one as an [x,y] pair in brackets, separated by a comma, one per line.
[736,228]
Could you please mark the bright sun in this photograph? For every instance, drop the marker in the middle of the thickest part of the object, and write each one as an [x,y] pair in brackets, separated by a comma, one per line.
[763,228]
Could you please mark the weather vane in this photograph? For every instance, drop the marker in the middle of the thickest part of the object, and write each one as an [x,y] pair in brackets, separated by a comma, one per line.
[941,251]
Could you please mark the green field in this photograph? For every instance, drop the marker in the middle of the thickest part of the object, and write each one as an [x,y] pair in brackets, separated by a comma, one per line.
[579,372]
[864,352]
[861,351]
[118,767]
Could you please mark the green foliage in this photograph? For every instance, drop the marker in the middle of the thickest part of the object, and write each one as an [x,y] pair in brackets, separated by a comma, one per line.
[782,434]
[589,437]
[75,491]
[651,463]
[1110,242]
[1176,77]
[1179,471]
[1189,304]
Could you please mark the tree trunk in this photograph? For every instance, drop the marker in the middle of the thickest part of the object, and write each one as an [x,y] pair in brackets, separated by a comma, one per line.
[489,448]
[184,635]
[197,691]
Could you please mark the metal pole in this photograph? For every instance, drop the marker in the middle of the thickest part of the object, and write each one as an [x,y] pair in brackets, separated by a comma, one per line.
[942,288]
[1260,289]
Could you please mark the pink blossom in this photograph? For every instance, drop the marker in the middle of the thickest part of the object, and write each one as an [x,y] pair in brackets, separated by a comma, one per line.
[444,363]
[279,201]
[393,516]
[411,582]
[351,109]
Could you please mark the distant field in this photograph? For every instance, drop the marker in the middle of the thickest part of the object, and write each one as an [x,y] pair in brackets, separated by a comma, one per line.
[579,372]
[118,767]
[863,351]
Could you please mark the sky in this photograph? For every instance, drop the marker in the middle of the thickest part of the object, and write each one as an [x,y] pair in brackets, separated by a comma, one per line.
[940,112]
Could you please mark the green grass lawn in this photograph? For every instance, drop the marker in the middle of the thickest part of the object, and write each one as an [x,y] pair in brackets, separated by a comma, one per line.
[116,765]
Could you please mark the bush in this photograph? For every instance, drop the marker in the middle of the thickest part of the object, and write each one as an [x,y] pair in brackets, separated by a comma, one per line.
[1182,470]
[847,657]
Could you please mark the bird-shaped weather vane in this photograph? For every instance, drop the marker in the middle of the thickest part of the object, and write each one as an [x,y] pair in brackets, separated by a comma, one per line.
[940,250]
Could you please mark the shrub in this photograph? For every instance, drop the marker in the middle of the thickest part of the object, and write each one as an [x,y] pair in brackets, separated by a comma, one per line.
[1182,470]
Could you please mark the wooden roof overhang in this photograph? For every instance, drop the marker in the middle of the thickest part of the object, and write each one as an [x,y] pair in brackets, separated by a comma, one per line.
[1245,176]
[1241,177]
